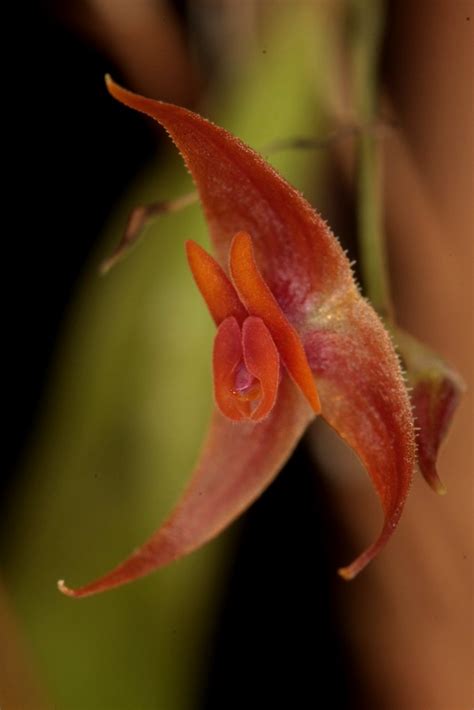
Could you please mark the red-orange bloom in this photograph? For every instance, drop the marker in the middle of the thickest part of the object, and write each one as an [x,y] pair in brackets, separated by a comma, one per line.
[252,334]
[294,338]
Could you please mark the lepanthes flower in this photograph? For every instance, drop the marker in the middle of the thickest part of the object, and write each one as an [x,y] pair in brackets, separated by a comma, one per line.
[294,339]
[253,333]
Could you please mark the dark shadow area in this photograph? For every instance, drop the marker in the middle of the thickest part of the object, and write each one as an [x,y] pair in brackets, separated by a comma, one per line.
[278,640]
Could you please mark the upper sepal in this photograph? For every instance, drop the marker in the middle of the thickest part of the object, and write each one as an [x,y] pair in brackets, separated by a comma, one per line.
[296,252]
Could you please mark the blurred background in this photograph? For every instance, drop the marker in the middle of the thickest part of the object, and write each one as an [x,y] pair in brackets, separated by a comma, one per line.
[108,386]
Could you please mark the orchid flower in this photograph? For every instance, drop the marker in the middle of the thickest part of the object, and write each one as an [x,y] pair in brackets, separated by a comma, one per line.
[294,339]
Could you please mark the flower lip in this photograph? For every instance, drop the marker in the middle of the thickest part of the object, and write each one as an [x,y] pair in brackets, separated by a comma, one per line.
[244,383]
[262,361]
[215,286]
[246,368]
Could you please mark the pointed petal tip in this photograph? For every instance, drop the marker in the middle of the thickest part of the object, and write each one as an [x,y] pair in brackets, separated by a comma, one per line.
[440,488]
[113,88]
[346,573]
[436,484]
[87,590]
[351,571]
[118,92]
[106,265]
[107,582]
[65,590]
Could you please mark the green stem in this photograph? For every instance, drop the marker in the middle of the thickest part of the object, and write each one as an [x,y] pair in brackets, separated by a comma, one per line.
[367,31]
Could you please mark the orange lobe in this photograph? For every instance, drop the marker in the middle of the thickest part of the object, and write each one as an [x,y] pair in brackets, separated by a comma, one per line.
[216,289]
[246,368]
[263,362]
[227,358]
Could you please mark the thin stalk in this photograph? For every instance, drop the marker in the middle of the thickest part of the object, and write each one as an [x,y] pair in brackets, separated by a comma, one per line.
[367,31]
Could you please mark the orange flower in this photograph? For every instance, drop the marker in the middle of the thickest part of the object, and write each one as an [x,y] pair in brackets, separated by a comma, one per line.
[294,338]
[253,333]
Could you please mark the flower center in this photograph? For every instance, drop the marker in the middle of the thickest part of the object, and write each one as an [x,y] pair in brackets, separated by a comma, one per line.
[246,367]
[246,386]
[253,333]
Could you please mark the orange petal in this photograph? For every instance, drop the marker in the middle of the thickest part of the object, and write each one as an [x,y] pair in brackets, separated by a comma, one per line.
[295,250]
[259,301]
[214,285]
[365,400]
[236,465]
[226,358]
[261,360]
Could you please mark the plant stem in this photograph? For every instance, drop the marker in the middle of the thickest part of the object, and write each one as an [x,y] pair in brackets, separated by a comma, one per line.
[367,32]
